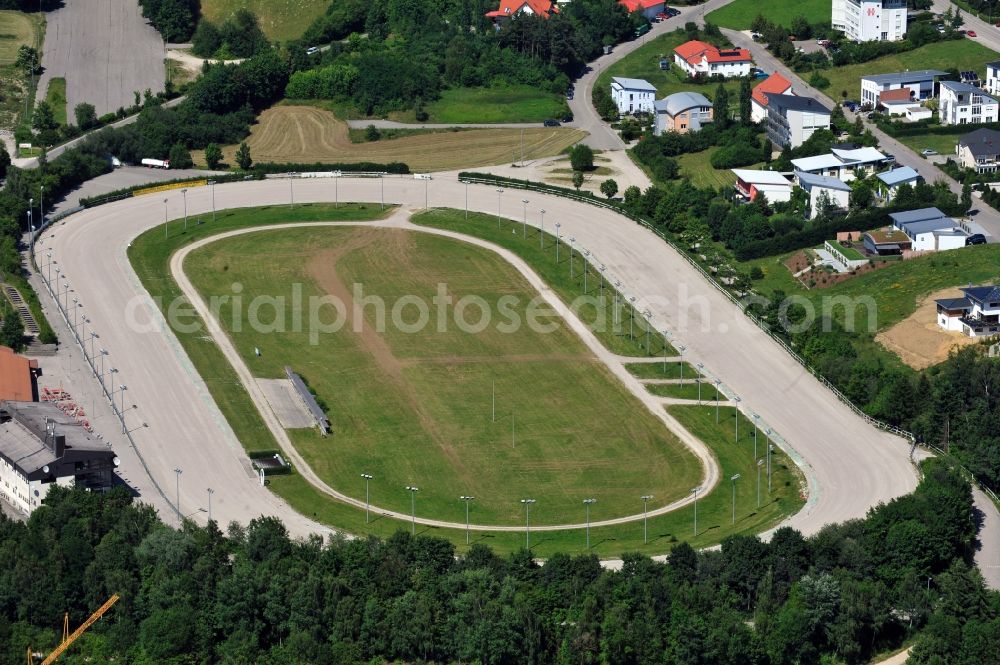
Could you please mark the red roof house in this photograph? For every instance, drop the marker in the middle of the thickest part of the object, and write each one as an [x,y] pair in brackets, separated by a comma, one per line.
[775,84]
[510,8]
[649,8]
[698,57]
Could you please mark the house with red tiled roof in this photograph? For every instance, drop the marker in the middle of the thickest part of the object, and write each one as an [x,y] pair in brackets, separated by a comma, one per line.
[513,8]
[775,84]
[698,57]
[896,102]
[649,8]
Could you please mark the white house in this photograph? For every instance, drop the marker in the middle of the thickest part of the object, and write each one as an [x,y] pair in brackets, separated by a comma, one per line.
[841,163]
[890,181]
[819,187]
[979,150]
[775,84]
[791,120]
[772,185]
[962,104]
[633,95]
[977,314]
[992,83]
[870,20]
[919,82]
[929,229]
[697,57]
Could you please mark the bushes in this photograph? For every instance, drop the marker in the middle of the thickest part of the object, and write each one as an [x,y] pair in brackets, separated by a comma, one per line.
[330,82]
[740,154]
[175,19]
[581,158]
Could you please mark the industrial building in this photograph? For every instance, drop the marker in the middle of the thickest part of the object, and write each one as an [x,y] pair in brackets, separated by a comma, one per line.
[40,446]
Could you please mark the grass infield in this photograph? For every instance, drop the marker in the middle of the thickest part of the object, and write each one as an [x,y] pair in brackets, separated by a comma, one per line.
[739,15]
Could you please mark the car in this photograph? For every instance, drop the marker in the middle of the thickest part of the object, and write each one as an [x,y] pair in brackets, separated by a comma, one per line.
[662,16]
[971,33]
[890,159]
[872,115]
[976,239]
[551,122]
[928,151]
[311,50]
[997,24]
[672,11]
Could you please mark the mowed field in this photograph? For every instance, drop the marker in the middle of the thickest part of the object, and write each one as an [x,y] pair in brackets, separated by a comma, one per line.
[16,29]
[305,134]
[281,20]
[415,406]
[739,15]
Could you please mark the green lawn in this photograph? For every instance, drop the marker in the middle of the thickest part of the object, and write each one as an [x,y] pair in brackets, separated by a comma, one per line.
[16,29]
[514,103]
[668,370]
[684,391]
[698,167]
[644,63]
[281,20]
[943,143]
[56,97]
[413,407]
[739,15]
[150,254]
[961,54]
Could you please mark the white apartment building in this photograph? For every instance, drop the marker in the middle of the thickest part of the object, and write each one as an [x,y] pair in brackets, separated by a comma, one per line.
[633,95]
[870,20]
[992,83]
[962,104]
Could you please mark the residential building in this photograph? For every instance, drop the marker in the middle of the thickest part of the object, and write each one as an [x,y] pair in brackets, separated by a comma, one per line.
[697,57]
[632,95]
[889,241]
[929,229]
[842,163]
[961,103]
[920,83]
[772,185]
[40,446]
[775,84]
[791,120]
[18,377]
[870,20]
[895,102]
[992,83]
[979,150]
[513,8]
[976,314]
[890,181]
[649,8]
[682,112]
[819,187]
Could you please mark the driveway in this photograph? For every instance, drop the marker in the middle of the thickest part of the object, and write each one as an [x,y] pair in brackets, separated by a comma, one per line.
[983,215]
[105,50]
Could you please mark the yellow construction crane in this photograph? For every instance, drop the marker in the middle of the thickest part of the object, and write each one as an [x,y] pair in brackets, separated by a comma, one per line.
[68,638]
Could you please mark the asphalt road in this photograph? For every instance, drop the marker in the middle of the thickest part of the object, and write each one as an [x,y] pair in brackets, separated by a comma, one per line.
[851,466]
[105,50]
[983,215]
[986,34]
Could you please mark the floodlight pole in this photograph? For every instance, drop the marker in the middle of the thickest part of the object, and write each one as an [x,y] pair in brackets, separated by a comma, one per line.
[680,352]
[367,477]
[558,226]
[756,427]
[645,520]
[770,449]
[734,478]
[586,263]
[210,493]
[185,193]
[212,185]
[760,463]
[468,500]
[701,366]
[499,199]
[717,384]
[737,399]
[541,230]
[524,219]
[527,522]
[587,503]
[695,490]
[177,506]
[413,508]
[466,183]
[166,227]
[572,249]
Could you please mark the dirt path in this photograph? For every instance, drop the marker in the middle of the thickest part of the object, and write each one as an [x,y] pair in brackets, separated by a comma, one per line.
[400,220]
[917,339]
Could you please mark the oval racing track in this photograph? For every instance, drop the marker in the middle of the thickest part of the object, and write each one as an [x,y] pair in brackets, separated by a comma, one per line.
[850,465]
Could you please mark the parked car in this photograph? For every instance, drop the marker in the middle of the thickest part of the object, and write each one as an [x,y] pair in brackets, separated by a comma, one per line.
[928,151]
[671,11]
[551,122]
[760,74]
[662,16]
[971,33]
[890,159]
[976,239]
[311,50]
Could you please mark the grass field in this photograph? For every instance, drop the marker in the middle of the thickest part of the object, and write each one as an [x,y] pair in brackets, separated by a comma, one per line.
[56,97]
[149,255]
[309,134]
[644,63]
[670,370]
[697,167]
[961,54]
[281,20]
[684,391]
[414,408]
[16,29]
[739,15]
[515,103]
[943,143]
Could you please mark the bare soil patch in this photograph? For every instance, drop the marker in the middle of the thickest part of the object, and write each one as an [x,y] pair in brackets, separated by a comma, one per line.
[917,339]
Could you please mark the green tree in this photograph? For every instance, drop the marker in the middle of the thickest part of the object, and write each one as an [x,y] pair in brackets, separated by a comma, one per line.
[11,330]
[180,157]
[85,114]
[720,107]
[801,28]
[746,107]
[609,188]
[581,158]
[4,161]
[861,195]
[213,155]
[242,35]
[372,133]
[207,40]
[243,158]
[578,179]
[28,59]
[966,201]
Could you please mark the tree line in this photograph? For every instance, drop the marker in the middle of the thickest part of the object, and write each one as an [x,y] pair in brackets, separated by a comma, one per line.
[253,595]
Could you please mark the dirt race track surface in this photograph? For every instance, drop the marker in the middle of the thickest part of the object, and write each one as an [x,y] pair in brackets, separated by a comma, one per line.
[304,134]
[917,339]
[105,50]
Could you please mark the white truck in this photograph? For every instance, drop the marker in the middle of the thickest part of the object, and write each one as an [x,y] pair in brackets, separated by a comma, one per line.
[156,163]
